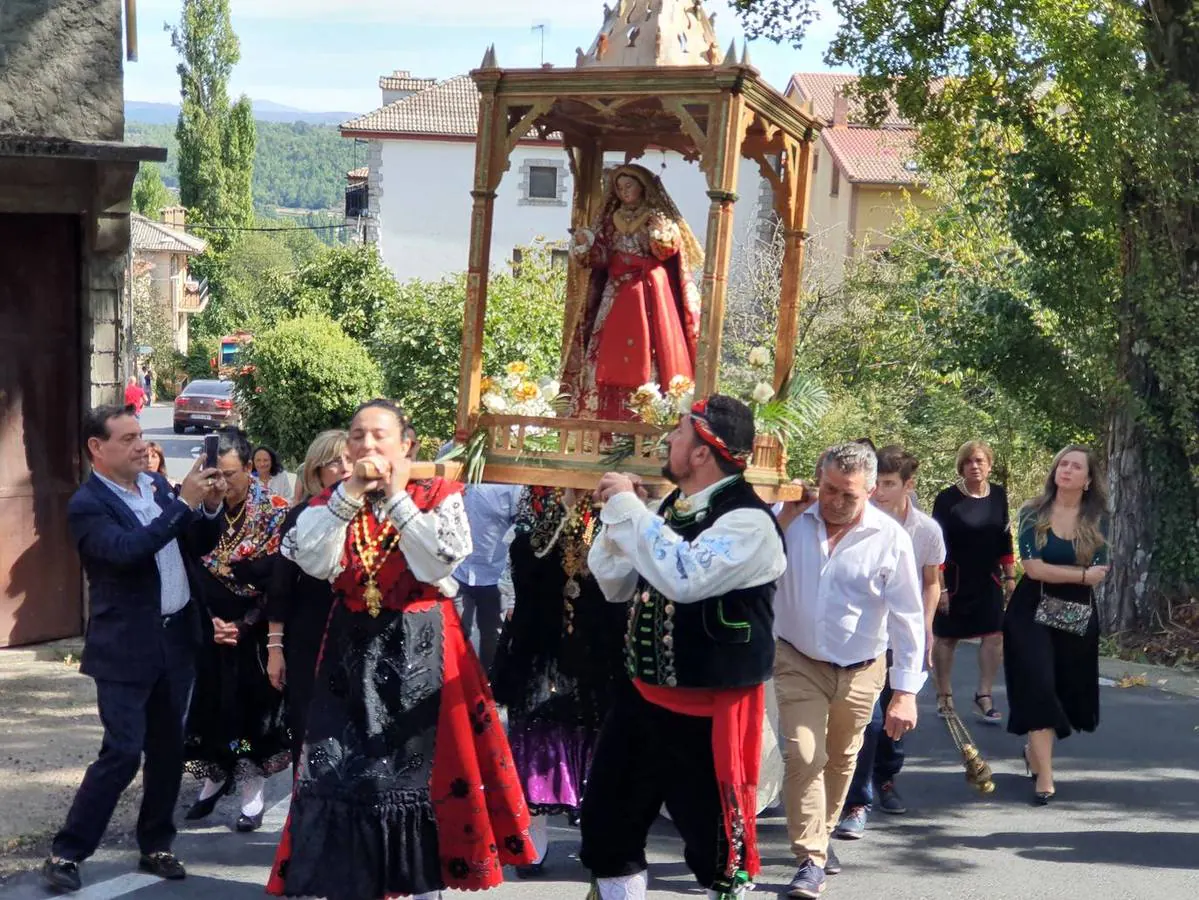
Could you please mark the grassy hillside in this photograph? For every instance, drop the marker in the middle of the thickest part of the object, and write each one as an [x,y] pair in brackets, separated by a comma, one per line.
[297,166]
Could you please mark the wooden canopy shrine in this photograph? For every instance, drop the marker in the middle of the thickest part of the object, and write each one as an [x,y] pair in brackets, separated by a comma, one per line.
[710,110]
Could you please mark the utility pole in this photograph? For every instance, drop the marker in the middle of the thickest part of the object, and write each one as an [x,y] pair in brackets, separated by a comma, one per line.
[541,28]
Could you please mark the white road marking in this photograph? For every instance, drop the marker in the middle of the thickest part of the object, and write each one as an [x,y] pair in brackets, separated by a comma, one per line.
[116,887]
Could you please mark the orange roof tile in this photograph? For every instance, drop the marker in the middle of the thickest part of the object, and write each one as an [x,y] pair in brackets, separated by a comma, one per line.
[450,109]
[874,155]
[822,87]
[402,80]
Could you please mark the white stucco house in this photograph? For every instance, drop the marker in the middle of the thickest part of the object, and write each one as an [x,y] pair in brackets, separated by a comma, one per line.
[415,201]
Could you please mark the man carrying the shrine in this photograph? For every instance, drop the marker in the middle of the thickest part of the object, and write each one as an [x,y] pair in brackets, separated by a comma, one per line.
[686,728]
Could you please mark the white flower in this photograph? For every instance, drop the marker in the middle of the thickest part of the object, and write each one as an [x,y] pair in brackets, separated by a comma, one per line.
[759,356]
[686,402]
[494,403]
[550,391]
[512,381]
[762,392]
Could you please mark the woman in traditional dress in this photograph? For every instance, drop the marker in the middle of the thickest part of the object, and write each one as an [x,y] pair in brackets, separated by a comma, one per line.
[236,727]
[559,656]
[298,605]
[406,784]
[1051,654]
[640,321]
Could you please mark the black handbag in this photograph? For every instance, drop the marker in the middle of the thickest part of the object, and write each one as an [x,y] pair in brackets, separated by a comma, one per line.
[1069,616]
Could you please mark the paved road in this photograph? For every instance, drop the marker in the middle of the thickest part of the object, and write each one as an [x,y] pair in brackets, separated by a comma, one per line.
[181,449]
[1126,825]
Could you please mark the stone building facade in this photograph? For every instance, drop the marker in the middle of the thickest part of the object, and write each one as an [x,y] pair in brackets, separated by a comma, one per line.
[65,183]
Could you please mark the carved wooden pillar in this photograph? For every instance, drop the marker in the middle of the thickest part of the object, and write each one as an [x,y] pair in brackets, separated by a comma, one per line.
[489,168]
[587,168]
[792,207]
[724,144]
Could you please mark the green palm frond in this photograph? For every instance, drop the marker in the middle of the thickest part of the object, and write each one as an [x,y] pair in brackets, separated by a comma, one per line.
[796,411]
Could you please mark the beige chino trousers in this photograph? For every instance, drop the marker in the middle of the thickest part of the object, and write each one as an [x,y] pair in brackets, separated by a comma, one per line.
[823,711]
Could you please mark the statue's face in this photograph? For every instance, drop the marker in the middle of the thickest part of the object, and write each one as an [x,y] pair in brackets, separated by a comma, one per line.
[628,189]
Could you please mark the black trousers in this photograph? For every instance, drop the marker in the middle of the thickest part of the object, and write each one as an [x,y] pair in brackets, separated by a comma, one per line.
[137,718]
[480,605]
[647,756]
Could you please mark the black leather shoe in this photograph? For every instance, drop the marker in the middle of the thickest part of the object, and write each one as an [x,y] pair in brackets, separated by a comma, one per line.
[202,809]
[248,823]
[62,874]
[164,864]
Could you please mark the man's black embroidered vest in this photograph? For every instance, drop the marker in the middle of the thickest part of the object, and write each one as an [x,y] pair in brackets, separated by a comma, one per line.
[719,642]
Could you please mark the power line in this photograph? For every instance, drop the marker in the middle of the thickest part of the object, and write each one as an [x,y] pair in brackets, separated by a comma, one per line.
[191,226]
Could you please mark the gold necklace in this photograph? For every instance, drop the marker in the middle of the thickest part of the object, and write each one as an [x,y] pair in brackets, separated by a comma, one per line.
[576,542]
[631,221]
[228,541]
[373,558]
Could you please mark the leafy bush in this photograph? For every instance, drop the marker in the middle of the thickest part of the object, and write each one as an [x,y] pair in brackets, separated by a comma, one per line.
[419,343]
[306,375]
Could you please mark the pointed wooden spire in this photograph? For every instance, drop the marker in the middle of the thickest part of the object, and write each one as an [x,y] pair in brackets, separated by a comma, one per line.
[646,33]
[489,59]
[745,54]
[730,58]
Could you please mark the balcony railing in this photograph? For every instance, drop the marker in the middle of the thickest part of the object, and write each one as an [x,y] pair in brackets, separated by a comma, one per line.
[357,201]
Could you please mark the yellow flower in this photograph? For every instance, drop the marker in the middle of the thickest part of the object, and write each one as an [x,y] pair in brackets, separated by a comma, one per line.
[680,385]
[526,391]
[517,368]
[487,385]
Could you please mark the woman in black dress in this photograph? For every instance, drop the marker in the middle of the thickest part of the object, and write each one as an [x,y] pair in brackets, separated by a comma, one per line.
[1053,674]
[236,731]
[979,576]
[559,657]
[297,605]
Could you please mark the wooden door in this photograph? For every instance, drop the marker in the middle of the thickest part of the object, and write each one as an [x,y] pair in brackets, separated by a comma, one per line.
[40,371]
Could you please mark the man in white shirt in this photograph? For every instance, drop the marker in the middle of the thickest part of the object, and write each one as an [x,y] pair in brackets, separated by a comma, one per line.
[881,758]
[850,591]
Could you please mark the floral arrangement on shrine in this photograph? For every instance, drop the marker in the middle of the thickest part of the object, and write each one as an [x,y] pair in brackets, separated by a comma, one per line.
[516,392]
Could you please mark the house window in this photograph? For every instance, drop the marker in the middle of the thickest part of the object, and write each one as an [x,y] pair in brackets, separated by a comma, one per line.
[543,183]
[559,259]
[835,190]
[518,257]
[815,162]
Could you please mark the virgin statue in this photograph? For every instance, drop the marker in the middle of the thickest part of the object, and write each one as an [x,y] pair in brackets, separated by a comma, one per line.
[640,319]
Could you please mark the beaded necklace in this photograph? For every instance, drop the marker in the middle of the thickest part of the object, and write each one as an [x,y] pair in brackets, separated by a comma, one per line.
[229,539]
[373,551]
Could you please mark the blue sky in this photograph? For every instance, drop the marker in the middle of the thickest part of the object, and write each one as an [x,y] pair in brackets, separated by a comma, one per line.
[325,55]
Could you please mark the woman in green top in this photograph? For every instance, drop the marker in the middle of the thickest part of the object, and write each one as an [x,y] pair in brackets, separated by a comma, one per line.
[1053,675]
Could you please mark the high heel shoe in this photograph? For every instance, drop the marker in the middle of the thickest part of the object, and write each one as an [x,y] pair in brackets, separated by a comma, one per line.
[246,824]
[1027,765]
[1042,798]
[202,809]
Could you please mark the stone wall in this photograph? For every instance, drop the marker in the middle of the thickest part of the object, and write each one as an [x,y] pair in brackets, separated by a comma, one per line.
[60,69]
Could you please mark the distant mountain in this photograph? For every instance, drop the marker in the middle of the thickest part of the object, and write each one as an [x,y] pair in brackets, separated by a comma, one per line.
[264,111]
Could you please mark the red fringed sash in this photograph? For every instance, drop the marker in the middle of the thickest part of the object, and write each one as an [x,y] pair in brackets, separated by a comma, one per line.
[737,715]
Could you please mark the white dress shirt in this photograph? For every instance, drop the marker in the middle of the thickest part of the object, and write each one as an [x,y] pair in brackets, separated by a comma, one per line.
[927,540]
[434,543]
[843,607]
[741,550]
[172,576]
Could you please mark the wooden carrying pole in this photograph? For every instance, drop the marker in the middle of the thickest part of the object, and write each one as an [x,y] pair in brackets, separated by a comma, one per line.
[131,30]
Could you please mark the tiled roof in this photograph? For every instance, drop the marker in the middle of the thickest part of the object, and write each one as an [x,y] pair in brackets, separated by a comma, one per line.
[150,235]
[359,174]
[402,80]
[822,87]
[449,109]
[873,155]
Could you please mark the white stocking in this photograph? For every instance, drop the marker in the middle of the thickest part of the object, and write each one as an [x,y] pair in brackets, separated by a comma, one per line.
[252,790]
[210,788]
[626,887]
[539,834]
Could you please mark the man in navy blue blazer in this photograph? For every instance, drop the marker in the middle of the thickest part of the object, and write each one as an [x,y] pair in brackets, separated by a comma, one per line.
[135,538]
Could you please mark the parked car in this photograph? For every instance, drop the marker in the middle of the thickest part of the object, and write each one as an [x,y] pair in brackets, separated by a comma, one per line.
[206,404]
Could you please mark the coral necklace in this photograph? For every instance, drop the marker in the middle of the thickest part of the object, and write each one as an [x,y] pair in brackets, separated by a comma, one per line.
[373,551]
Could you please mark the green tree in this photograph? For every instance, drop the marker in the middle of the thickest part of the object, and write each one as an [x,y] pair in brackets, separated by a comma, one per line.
[216,141]
[306,376]
[419,342]
[150,195]
[1081,119]
[350,284]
